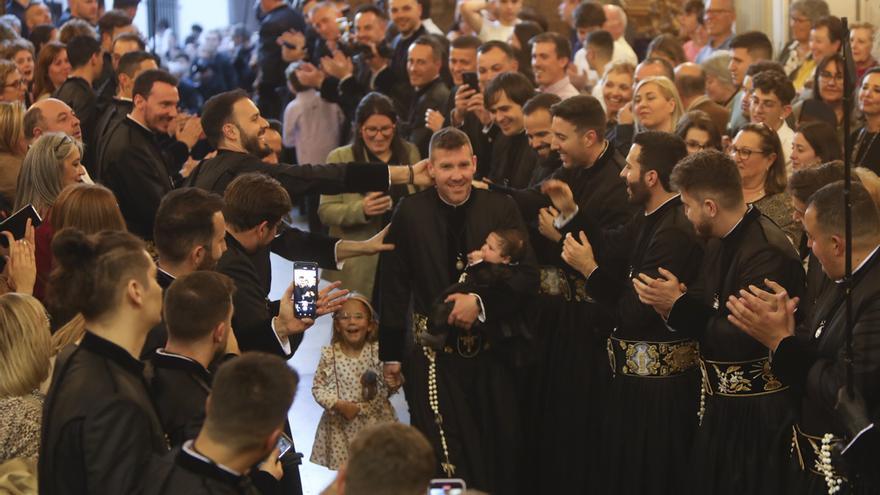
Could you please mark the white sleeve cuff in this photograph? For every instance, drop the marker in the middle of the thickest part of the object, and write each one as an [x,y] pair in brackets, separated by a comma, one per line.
[339,264]
[855,439]
[482,315]
[562,220]
[284,343]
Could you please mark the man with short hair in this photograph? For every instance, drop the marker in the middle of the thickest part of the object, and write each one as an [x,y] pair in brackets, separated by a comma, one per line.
[322,19]
[51,115]
[86,64]
[745,49]
[212,70]
[133,163]
[745,249]
[690,80]
[235,127]
[599,49]
[512,158]
[659,236]
[653,67]
[771,104]
[815,362]
[719,18]
[537,121]
[87,10]
[470,421]
[388,458]
[245,416]
[110,25]
[406,16]
[35,14]
[551,54]
[126,71]
[615,23]
[278,18]
[423,68]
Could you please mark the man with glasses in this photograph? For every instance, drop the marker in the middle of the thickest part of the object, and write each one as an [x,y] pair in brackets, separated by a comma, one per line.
[771,104]
[719,17]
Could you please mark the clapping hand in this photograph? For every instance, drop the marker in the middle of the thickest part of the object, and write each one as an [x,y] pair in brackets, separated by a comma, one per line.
[767,317]
[659,293]
[560,195]
[579,254]
[545,223]
[434,120]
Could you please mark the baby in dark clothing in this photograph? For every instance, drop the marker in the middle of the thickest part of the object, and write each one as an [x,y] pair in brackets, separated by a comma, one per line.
[493,271]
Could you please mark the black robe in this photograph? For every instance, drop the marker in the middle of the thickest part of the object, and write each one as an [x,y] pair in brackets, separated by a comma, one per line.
[180,471]
[513,161]
[114,112]
[570,335]
[742,441]
[99,425]
[159,334]
[474,394]
[179,387]
[815,364]
[399,89]
[134,165]
[432,96]
[658,414]
[544,168]
[79,96]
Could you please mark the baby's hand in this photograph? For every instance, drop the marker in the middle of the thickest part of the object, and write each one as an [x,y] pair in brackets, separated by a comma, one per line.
[474,256]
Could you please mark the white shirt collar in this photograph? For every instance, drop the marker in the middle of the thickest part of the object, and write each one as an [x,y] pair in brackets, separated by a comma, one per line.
[862,264]
[739,222]
[649,213]
[188,448]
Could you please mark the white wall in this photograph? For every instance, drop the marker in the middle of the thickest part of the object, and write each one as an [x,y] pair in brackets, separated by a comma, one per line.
[211,14]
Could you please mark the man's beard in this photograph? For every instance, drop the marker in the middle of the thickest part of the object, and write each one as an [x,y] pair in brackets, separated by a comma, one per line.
[251,144]
[638,192]
[703,228]
[208,263]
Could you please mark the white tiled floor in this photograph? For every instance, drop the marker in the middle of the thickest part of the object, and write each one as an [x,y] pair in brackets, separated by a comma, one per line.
[305,413]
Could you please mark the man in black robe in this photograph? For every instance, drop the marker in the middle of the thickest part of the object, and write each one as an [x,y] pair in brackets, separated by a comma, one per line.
[815,364]
[406,16]
[86,63]
[134,163]
[537,122]
[747,408]
[245,418]
[235,127]
[278,18]
[130,66]
[423,70]
[513,160]
[571,329]
[460,397]
[99,426]
[652,365]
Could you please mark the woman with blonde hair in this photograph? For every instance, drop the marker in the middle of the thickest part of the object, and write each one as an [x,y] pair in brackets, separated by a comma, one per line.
[51,164]
[13,147]
[53,67]
[14,85]
[656,105]
[25,352]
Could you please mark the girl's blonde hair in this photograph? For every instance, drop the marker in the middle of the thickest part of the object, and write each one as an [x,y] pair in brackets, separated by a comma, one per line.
[668,90]
[25,344]
[372,333]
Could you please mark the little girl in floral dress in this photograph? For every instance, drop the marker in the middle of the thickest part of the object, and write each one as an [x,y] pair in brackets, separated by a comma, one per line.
[348,383]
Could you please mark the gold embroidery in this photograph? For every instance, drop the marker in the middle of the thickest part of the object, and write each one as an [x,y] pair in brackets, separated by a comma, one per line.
[731,380]
[740,378]
[652,359]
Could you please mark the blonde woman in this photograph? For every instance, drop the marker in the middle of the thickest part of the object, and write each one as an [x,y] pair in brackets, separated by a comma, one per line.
[656,105]
[25,352]
[13,147]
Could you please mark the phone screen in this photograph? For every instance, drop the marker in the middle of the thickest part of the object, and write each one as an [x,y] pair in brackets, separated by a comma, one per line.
[305,289]
[284,445]
[447,487]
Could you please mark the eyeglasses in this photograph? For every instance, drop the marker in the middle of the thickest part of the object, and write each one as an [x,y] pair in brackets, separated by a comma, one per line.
[744,153]
[827,75]
[350,316]
[799,20]
[373,131]
[695,145]
[15,84]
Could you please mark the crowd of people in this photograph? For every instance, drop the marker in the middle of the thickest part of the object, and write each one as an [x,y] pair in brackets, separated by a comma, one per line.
[608,260]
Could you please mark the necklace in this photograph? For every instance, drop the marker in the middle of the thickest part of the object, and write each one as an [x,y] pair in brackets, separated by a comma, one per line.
[860,142]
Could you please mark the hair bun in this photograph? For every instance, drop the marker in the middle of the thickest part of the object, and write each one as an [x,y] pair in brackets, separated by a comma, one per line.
[72,249]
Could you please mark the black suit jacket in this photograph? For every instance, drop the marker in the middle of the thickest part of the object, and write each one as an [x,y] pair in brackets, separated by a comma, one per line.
[99,425]
[179,387]
[133,165]
[79,95]
[273,25]
[252,320]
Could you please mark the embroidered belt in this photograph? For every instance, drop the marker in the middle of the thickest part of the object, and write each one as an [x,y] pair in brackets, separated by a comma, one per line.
[467,345]
[558,282]
[652,359]
[808,449]
[739,378]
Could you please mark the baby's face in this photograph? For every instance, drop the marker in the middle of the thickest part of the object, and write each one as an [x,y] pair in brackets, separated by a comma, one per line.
[492,250]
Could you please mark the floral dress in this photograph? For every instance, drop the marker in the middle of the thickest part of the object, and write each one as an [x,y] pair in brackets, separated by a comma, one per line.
[339,377]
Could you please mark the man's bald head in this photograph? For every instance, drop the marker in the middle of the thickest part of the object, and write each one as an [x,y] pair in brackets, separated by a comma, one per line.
[690,80]
[615,21]
[652,67]
[51,115]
